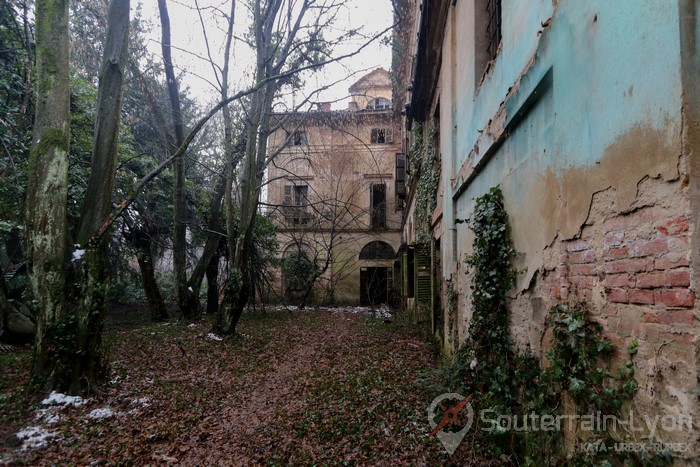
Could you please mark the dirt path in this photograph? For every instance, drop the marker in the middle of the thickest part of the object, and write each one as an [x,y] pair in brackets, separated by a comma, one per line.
[304,388]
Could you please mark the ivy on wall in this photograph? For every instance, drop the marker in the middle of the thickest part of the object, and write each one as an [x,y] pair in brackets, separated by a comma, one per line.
[510,383]
[427,172]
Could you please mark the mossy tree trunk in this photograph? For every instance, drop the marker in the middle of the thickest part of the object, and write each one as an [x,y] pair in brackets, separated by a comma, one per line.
[47,186]
[69,338]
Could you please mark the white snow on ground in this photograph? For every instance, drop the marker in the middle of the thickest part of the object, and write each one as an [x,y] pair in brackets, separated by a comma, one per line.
[214,337]
[77,254]
[48,416]
[382,312]
[56,398]
[103,412]
[192,326]
[35,437]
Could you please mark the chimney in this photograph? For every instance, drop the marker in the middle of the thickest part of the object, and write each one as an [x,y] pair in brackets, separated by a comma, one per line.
[324,106]
[352,105]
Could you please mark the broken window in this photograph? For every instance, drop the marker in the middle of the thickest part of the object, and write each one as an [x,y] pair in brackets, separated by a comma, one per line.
[378,206]
[296,204]
[382,136]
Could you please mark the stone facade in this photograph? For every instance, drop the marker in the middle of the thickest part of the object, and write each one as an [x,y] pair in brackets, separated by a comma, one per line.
[332,194]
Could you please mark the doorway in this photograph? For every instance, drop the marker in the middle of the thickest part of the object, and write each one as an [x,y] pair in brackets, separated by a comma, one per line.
[374,287]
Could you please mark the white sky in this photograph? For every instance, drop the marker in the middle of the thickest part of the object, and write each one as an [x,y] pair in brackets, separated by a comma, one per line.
[372,15]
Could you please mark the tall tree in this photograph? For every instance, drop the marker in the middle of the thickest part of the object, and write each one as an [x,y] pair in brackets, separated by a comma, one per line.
[183,294]
[69,342]
[47,187]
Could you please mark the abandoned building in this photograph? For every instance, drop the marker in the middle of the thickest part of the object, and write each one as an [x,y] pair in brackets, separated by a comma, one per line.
[333,195]
[586,114]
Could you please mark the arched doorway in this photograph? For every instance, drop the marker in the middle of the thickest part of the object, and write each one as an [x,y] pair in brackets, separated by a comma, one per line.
[375,278]
[298,271]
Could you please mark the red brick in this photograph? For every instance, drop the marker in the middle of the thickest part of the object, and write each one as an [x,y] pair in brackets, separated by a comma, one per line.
[674,226]
[652,280]
[678,316]
[582,257]
[617,295]
[643,297]
[663,263]
[615,253]
[578,245]
[613,239]
[648,248]
[618,280]
[628,265]
[675,297]
[678,277]
[582,270]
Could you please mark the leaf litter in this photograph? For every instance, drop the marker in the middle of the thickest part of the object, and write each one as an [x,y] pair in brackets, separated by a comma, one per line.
[313,387]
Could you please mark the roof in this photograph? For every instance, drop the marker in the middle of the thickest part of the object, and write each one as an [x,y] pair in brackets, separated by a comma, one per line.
[378,77]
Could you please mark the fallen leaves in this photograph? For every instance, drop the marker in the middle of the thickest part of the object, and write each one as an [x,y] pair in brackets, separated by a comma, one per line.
[313,387]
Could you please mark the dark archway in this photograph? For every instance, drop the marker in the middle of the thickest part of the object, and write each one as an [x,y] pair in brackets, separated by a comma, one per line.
[377,250]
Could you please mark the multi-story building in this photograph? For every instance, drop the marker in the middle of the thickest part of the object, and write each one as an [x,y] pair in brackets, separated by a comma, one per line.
[332,191]
[587,116]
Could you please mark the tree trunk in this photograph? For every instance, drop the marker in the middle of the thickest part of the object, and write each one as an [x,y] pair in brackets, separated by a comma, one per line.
[211,245]
[87,368]
[213,284]
[47,186]
[150,286]
[187,302]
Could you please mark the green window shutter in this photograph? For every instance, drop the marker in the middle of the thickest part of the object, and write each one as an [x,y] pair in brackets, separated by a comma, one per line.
[423,280]
[404,274]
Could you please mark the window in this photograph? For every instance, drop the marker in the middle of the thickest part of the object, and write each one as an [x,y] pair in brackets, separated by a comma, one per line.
[493,29]
[299,138]
[382,136]
[378,206]
[377,250]
[379,104]
[487,27]
[296,204]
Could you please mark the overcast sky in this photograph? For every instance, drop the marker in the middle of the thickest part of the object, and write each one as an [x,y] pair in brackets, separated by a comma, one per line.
[373,15]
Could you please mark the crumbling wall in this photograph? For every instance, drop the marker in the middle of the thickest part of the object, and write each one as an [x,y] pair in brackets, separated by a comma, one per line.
[630,265]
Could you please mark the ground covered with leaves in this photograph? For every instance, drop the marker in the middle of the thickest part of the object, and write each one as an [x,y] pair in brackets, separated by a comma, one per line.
[315,387]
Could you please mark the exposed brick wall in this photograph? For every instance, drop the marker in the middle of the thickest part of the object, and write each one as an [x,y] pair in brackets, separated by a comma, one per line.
[633,271]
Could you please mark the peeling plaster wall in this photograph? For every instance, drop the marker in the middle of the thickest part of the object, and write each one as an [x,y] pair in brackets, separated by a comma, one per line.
[580,121]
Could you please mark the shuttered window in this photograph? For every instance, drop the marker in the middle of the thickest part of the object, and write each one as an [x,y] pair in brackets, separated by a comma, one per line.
[422,273]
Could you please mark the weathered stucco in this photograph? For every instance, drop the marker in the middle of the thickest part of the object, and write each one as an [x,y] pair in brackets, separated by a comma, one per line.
[588,120]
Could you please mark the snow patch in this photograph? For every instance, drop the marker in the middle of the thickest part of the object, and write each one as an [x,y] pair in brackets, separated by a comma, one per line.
[192,326]
[48,416]
[36,437]
[104,412]
[57,398]
[214,337]
[78,253]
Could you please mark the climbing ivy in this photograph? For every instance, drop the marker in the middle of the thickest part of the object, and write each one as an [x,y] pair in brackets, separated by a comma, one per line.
[509,382]
[426,171]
